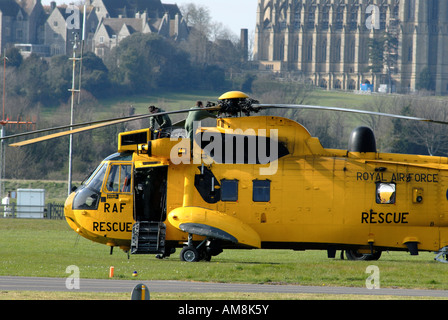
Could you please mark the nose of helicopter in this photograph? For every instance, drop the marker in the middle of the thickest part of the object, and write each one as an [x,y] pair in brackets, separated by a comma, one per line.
[68,212]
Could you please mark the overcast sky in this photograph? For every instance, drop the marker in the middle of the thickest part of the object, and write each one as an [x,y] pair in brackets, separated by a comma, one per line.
[234,14]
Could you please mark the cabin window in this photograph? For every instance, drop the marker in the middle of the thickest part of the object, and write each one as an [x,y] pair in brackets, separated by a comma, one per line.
[119,179]
[229,190]
[385,193]
[261,190]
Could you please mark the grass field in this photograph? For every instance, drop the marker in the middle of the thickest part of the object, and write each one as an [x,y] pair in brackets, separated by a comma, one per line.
[239,296]
[114,107]
[44,248]
[117,106]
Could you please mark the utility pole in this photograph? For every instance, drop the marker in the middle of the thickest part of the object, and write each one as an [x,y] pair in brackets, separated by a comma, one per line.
[2,130]
[73,90]
[3,123]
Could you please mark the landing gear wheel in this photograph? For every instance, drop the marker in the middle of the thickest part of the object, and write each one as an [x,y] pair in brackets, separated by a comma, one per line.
[189,254]
[356,255]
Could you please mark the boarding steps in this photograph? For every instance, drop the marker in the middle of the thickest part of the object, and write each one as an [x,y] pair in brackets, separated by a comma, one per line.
[148,237]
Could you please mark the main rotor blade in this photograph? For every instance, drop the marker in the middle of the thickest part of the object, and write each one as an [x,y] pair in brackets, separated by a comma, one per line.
[64,127]
[104,123]
[309,107]
[96,125]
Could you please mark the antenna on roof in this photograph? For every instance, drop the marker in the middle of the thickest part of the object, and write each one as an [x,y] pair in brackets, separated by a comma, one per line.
[82,50]
[73,90]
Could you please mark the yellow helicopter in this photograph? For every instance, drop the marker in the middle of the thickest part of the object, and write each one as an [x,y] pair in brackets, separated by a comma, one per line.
[255,181]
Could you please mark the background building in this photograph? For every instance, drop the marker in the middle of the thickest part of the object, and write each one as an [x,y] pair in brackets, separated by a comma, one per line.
[111,21]
[21,21]
[45,30]
[327,42]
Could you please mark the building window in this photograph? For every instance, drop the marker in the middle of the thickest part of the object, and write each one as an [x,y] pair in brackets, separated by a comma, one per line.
[310,52]
[296,51]
[434,10]
[354,17]
[311,17]
[55,23]
[281,51]
[411,10]
[324,51]
[383,16]
[340,17]
[337,53]
[325,18]
[351,52]
[297,19]
[261,191]
[229,190]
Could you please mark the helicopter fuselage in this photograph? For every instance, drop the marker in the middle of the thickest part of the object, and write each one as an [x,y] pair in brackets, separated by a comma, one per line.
[288,192]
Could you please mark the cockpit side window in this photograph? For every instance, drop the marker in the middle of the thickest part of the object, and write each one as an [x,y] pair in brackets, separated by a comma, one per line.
[96,180]
[119,179]
[93,174]
[87,198]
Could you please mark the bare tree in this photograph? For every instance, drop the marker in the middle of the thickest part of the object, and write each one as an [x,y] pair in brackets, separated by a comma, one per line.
[199,20]
[209,42]
[432,136]
[417,137]
[381,126]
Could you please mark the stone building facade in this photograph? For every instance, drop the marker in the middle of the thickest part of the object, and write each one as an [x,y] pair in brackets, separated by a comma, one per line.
[112,21]
[326,42]
[21,21]
[50,30]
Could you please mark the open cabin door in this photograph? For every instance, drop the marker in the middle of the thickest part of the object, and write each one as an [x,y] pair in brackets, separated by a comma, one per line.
[150,188]
[150,194]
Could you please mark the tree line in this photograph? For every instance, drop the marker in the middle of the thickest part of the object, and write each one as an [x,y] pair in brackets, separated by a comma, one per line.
[141,63]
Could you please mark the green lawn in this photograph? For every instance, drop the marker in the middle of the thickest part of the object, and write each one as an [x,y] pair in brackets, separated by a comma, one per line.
[339,99]
[113,107]
[45,248]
